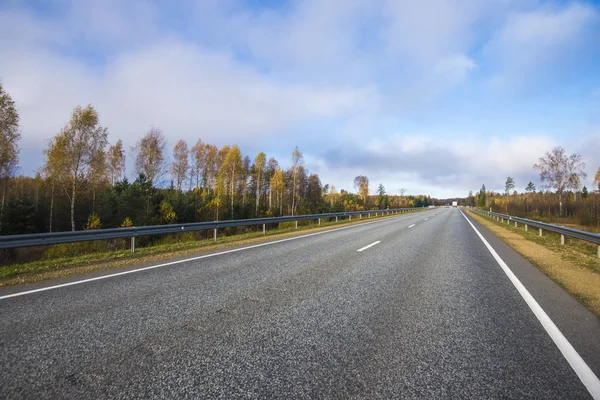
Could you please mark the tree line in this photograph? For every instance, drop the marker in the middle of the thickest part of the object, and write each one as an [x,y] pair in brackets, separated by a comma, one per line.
[82,183]
[561,197]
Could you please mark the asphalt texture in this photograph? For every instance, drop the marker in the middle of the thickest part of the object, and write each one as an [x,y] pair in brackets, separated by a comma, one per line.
[426,313]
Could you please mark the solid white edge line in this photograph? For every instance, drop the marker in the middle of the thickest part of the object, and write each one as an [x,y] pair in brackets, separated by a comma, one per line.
[369,245]
[583,371]
[410,226]
[8,296]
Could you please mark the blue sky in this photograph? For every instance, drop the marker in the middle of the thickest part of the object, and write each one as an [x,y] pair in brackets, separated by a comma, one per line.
[435,96]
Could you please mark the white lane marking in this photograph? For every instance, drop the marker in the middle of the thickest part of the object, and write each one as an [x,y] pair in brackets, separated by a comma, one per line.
[410,226]
[370,245]
[426,219]
[8,296]
[583,371]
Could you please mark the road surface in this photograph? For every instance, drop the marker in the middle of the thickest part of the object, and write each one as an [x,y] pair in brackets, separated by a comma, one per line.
[414,306]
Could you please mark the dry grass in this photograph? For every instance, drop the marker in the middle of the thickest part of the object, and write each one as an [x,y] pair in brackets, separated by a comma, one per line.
[575,266]
[65,267]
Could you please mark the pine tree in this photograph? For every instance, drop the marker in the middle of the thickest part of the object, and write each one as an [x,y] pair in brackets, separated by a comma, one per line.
[482,197]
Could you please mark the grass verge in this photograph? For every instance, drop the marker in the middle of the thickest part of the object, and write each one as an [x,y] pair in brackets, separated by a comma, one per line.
[574,266]
[69,266]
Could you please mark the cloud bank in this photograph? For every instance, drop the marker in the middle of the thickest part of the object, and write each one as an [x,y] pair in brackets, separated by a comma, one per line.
[411,94]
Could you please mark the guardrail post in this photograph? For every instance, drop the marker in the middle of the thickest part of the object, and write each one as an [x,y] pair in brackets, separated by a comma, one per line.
[133,244]
[215,234]
[319,221]
[562,239]
[525,228]
[540,231]
[359,216]
[349,217]
[264,229]
[516,224]
[296,224]
[369,215]
[599,251]
[336,218]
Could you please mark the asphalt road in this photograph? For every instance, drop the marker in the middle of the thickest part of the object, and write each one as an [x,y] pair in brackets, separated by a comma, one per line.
[425,313]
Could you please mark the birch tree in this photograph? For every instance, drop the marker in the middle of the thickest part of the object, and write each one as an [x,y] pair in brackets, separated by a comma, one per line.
[597,179]
[150,155]
[230,168]
[277,186]
[78,147]
[54,168]
[560,172]
[259,169]
[211,167]
[9,137]
[116,161]
[297,161]
[199,151]
[361,183]
[272,167]
[245,175]
[98,172]
[180,165]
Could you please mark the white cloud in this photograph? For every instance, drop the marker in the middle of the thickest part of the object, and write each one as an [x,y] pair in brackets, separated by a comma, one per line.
[351,69]
[529,42]
[446,166]
[183,89]
[429,30]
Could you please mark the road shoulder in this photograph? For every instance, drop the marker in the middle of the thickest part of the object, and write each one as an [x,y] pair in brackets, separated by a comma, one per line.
[577,323]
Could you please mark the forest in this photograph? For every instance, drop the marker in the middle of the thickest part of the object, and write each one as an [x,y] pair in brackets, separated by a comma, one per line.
[560,199]
[82,183]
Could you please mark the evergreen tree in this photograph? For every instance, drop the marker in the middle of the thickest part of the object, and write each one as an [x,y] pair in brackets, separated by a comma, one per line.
[482,197]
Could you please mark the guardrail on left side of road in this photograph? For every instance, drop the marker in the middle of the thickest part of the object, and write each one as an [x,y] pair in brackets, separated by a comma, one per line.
[42,239]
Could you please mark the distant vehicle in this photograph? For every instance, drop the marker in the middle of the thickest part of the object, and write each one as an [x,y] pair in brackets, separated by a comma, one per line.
[431,206]
[455,204]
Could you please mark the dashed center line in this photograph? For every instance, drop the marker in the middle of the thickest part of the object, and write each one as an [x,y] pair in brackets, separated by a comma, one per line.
[370,245]
[410,226]
[426,219]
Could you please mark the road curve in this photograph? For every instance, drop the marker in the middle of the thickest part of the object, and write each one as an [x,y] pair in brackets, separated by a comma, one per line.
[422,310]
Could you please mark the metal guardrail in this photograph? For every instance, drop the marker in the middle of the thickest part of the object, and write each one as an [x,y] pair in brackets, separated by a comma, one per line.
[43,239]
[543,226]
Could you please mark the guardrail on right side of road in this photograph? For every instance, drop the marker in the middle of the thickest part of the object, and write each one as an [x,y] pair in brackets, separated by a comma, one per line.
[543,226]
